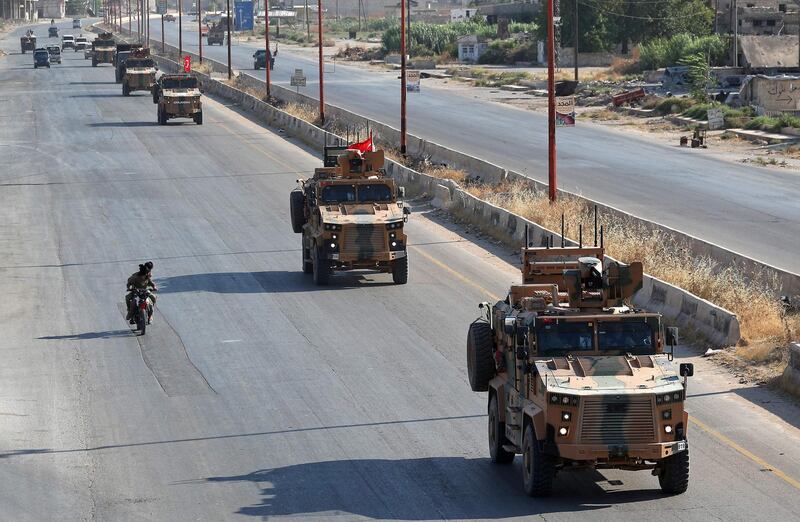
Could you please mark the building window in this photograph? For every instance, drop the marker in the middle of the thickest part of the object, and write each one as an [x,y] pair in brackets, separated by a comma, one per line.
[771,23]
[757,23]
[782,8]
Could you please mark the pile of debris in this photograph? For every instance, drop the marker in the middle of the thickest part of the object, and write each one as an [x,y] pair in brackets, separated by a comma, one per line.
[358,54]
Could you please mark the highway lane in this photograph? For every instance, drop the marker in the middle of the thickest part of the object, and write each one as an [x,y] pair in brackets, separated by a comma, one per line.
[753,211]
[256,393]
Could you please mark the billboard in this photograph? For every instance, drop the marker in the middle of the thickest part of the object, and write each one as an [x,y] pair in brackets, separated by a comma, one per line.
[243,15]
[565,111]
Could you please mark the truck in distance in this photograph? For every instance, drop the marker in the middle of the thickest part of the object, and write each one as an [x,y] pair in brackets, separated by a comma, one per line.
[27,42]
[103,49]
[577,379]
[351,217]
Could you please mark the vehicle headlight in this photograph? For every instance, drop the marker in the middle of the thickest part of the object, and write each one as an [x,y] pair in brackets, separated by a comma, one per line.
[332,226]
[667,429]
[562,431]
[666,414]
[566,416]
[395,225]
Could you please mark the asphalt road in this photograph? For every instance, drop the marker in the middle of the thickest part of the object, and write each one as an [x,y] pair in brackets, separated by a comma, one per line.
[256,394]
[753,211]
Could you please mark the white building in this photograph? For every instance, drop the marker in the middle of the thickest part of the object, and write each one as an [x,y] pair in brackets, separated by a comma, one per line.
[470,48]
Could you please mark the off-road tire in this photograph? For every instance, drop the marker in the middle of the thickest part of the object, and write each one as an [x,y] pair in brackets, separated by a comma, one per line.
[497,435]
[125,90]
[674,475]
[308,266]
[94,61]
[538,468]
[255,66]
[198,118]
[480,356]
[297,202]
[141,321]
[35,66]
[162,117]
[321,269]
[117,77]
[400,270]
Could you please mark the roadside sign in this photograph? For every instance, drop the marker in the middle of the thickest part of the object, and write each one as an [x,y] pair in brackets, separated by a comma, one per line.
[187,64]
[565,111]
[716,120]
[412,81]
[298,79]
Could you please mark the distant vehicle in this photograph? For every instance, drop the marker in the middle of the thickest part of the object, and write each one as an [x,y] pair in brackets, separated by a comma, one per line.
[67,42]
[260,59]
[55,53]
[169,18]
[76,23]
[140,72]
[103,49]
[216,35]
[41,58]
[81,43]
[52,31]
[88,52]
[178,96]
[28,42]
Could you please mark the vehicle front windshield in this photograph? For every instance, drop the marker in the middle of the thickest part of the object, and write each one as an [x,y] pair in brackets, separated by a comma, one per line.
[179,83]
[560,337]
[635,337]
[133,63]
[338,194]
[374,193]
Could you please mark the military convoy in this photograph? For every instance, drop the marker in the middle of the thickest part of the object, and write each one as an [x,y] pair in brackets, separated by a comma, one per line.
[178,96]
[139,72]
[351,217]
[103,49]
[216,35]
[123,51]
[576,378]
[27,42]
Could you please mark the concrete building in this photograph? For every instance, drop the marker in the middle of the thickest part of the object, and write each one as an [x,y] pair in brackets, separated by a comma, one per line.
[51,8]
[757,17]
[470,48]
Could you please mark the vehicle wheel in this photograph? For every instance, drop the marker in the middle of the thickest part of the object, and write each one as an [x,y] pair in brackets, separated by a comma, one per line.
[297,210]
[321,268]
[674,475]
[538,468]
[35,66]
[162,117]
[94,62]
[125,90]
[255,66]
[198,118]
[497,435]
[141,320]
[400,270]
[480,355]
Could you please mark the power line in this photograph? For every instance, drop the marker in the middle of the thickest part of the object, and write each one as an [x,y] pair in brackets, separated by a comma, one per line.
[649,18]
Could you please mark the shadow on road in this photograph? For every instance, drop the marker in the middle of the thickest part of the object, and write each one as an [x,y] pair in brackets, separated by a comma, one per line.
[98,95]
[109,334]
[92,83]
[123,124]
[436,488]
[279,281]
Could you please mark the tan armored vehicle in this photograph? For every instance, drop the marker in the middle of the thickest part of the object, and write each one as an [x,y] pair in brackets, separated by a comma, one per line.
[577,379]
[140,72]
[177,96]
[351,216]
[103,49]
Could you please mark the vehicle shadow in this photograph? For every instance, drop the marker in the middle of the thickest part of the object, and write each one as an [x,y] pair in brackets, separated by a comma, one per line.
[97,95]
[433,488]
[108,334]
[278,281]
[92,83]
[123,124]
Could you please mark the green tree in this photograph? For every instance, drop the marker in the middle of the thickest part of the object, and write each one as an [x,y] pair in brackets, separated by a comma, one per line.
[699,74]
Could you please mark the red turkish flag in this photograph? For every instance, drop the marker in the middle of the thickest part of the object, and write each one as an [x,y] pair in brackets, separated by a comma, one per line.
[187,64]
[362,146]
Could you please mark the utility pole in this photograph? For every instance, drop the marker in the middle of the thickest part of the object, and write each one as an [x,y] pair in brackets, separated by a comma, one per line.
[266,44]
[308,27]
[403,77]
[735,34]
[199,32]
[408,27]
[575,32]
[129,17]
[321,65]
[551,102]
[230,71]
[180,31]
[162,31]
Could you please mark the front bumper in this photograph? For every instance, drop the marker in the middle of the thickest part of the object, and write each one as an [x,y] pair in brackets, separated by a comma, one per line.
[618,454]
[378,257]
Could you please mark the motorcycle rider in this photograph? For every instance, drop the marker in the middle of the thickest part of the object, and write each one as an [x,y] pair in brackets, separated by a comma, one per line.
[142,279]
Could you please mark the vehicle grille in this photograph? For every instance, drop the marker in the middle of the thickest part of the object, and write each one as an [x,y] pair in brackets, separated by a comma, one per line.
[613,420]
[364,240]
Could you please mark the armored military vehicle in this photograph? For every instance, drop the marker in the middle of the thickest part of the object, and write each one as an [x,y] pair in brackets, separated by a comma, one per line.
[103,49]
[140,72]
[576,378]
[52,31]
[178,96]
[351,216]
[216,35]
[27,42]
[123,51]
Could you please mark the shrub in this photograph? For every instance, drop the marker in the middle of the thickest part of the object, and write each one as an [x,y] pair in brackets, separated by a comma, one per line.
[663,52]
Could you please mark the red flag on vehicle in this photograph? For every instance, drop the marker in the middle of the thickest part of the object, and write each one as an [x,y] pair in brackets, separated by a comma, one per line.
[362,146]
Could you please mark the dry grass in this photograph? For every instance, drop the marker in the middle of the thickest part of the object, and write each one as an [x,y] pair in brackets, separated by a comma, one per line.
[203,68]
[764,324]
[603,115]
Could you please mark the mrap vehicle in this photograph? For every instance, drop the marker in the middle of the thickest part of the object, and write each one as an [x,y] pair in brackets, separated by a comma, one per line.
[351,216]
[577,379]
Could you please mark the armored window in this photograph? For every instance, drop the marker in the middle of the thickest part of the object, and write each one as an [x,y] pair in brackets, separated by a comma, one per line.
[374,193]
[559,338]
[339,194]
[626,336]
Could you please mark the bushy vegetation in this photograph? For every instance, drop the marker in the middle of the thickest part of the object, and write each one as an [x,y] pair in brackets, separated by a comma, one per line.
[669,105]
[509,52]
[661,52]
[773,124]
[734,118]
[442,38]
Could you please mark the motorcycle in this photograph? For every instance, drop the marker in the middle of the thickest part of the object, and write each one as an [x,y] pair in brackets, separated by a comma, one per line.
[142,306]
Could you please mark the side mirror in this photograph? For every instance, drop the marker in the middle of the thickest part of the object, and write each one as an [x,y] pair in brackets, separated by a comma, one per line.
[406,211]
[686,369]
[401,191]
[672,336]
[509,325]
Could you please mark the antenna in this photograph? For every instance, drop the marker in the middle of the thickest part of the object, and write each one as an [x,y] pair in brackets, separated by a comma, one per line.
[601,236]
[595,225]
[580,235]
[527,244]
[562,230]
